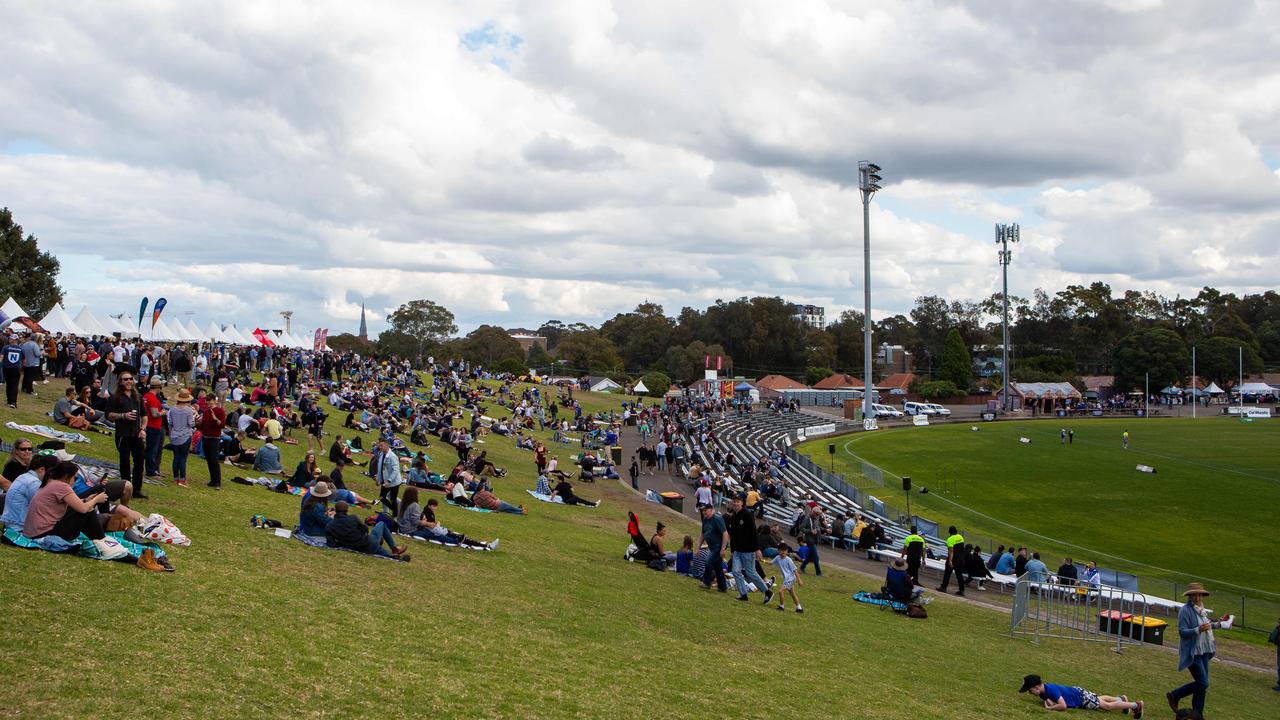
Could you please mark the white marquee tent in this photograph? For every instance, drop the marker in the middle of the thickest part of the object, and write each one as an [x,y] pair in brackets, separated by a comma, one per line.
[58,321]
[12,309]
[214,333]
[89,324]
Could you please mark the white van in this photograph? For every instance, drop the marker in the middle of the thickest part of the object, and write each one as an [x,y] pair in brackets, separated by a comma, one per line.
[918,408]
[886,411]
[938,409]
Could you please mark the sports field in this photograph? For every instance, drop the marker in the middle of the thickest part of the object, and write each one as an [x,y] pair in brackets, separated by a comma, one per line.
[1208,513]
[552,625]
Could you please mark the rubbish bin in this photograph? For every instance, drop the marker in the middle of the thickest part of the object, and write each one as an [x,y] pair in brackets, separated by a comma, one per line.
[1147,629]
[1109,621]
[673,500]
[615,452]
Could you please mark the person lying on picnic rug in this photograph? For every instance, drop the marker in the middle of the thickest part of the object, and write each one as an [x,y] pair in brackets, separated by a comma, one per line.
[564,491]
[421,523]
[484,498]
[350,532]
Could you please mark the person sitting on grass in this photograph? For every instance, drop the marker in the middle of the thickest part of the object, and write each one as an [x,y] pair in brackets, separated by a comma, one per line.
[422,523]
[543,486]
[349,532]
[235,453]
[267,459]
[456,492]
[1068,697]
[684,557]
[339,453]
[68,412]
[24,487]
[553,470]
[897,583]
[313,519]
[305,473]
[564,491]
[57,511]
[482,465]
[484,498]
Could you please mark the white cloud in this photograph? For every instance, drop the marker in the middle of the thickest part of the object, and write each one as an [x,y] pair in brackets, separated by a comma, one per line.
[520,160]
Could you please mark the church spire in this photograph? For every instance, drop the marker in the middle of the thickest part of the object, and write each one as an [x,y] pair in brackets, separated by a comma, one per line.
[364,327]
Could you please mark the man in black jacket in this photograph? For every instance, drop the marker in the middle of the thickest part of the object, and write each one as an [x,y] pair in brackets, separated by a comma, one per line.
[348,531]
[742,540]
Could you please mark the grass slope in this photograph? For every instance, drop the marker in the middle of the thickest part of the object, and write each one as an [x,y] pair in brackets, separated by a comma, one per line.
[1208,513]
[551,625]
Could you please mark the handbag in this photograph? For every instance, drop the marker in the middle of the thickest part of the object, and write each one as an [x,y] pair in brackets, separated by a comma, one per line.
[916,610]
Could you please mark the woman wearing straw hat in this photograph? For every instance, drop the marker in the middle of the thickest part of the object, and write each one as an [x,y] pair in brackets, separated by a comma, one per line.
[1196,647]
[182,425]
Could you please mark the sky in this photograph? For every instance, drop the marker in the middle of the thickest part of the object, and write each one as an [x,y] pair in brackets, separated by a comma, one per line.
[525,161]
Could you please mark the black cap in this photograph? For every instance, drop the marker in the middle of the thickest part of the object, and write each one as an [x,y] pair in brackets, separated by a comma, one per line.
[1029,681]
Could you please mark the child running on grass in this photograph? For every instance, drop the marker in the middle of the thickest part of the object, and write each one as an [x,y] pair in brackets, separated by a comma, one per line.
[789,577]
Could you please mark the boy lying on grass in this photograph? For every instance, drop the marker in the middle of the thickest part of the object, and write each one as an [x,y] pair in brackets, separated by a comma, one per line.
[1069,697]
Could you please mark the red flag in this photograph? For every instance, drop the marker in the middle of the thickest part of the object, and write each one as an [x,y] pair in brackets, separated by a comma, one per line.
[315,343]
[719,362]
[706,363]
[262,337]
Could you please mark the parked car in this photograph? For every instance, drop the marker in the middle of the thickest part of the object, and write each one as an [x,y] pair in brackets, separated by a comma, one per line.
[918,408]
[939,410]
[886,411]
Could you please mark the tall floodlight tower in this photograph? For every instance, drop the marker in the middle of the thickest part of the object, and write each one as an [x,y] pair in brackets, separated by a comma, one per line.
[1006,234]
[868,183]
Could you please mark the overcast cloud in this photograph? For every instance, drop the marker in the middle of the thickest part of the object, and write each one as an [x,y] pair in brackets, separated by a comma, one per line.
[521,161]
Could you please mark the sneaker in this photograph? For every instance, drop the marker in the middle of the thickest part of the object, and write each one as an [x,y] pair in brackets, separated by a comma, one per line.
[140,496]
[147,561]
[768,595]
[181,483]
[398,550]
[211,486]
[164,563]
[109,549]
[1137,714]
[493,545]
[799,609]
[743,598]
[403,557]
[772,581]
[1173,702]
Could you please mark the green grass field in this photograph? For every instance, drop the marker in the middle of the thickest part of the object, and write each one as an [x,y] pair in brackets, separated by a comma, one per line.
[552,625]
[1208,513]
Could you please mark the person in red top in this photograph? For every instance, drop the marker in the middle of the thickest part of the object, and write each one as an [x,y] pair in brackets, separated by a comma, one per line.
[210,424]
[154,410]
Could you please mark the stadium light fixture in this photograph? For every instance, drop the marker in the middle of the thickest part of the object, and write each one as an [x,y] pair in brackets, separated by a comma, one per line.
[868,183]
[1006,234]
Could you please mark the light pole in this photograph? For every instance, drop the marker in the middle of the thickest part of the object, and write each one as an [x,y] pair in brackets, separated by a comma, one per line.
[868,183]
[1006,234]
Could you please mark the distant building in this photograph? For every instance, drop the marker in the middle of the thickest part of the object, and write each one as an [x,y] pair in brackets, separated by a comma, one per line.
[839,381]
[814,316]
[364,326]
[527,340]
[893,359]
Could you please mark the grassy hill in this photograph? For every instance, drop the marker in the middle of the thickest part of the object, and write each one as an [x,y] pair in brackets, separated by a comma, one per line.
[554,624]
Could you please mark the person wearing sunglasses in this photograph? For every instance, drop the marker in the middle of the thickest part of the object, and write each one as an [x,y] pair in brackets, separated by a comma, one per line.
[19,461]
[126,410]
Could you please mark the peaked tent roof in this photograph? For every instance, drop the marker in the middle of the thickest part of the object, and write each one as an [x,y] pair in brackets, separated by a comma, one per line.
[1213,389]
[161,331]
[117,326]
[196,333]
[58,321]
[640,387]
[214,333]
[87,322]
[13,310]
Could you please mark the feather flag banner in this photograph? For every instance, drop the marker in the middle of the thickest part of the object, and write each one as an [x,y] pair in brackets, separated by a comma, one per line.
[155,314]
[142,311]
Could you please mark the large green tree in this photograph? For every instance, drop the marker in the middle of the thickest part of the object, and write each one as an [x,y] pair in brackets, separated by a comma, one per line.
[588,351]
[641,336]
[1158,351]
[1219,359]
[955,366]
[427,323]
[490,344]
[27,274]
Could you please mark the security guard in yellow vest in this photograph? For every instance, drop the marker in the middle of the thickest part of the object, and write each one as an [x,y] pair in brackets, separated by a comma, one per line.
[913,550]
[955,545]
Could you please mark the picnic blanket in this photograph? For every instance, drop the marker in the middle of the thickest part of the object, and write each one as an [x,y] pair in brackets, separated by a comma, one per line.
[545,498]
[46,431]
[433,541]
[863,596]
[468,507]
[320,542]
[81,546]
